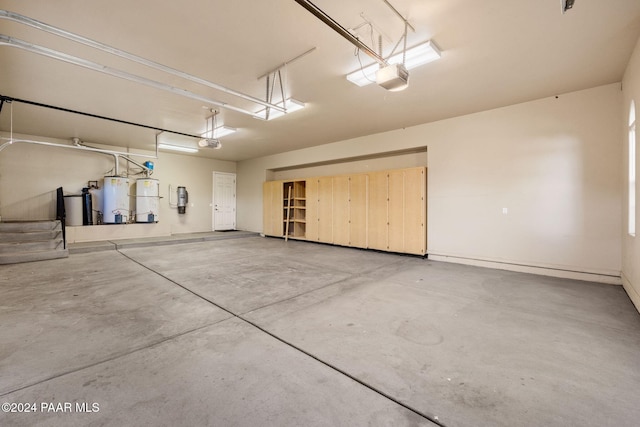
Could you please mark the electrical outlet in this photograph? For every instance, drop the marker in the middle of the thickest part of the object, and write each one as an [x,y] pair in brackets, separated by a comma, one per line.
[505,211]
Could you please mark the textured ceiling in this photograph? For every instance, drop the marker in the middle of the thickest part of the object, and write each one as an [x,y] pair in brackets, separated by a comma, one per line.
[495,53]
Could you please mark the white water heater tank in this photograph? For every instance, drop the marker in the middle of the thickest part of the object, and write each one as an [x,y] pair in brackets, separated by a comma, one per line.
[147,200]
[115,200]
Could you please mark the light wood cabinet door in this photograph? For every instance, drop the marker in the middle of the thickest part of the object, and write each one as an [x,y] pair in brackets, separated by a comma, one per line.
[341,210]
[396,208]
[378,220]
[415,211]
[325,209]
[358,189]
[312,209]
[272,198]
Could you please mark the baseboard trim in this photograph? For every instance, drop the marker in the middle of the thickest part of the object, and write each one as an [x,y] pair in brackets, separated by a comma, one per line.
[611,279]
[631,291]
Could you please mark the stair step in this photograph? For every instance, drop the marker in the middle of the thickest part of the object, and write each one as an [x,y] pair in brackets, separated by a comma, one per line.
[29,226]
[29,236]
[33,256]
[38,245]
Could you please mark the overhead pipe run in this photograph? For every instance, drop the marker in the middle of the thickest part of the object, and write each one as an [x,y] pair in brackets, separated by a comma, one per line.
[4,14]
[77,145]
[10,99]
[20,44]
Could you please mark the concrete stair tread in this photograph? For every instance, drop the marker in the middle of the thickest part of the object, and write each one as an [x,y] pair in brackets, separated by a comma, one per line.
[27,241]
[30,246]
[29,226]
[15,258]
[29,236]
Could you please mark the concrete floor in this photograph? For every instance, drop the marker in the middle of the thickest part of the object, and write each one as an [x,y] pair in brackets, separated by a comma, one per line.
[256,331]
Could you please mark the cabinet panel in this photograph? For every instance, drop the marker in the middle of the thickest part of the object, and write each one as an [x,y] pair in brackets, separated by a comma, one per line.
[358,188]
[396,211]
[377,227]
[325,209]
[272,208]
[415,207]
[312,209]
[341,210]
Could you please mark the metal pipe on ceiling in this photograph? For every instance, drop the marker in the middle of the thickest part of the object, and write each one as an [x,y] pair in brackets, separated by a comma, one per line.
[20,44]
[4,14]
[96,116]
[321,15]
[399,15]
[284,64]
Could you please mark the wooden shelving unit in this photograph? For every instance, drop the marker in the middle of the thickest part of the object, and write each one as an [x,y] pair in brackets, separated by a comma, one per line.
[294,208]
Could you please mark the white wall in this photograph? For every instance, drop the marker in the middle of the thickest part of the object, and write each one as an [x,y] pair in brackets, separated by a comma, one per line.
[29,173]
[631,245]
[553,163]
[390,161]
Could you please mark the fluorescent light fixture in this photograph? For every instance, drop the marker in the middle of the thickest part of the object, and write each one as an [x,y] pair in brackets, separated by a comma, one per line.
[418,55]
[177,148]
[291,105]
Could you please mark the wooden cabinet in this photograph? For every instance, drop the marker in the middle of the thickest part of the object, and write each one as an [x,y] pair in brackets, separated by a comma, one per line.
[415,211]
[272,208]
[312,209]
[358,212]
[325,209]
[397,211]
[379,210]
[341,210]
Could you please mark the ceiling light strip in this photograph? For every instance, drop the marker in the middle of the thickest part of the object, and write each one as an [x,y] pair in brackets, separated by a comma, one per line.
[291,105]
[115,51]
[20,44]
[180,148]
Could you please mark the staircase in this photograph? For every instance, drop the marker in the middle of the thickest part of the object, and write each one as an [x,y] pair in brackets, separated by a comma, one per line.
[26,241]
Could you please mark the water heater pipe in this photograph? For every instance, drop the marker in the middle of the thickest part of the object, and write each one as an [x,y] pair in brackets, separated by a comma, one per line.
[11,141]
[78,146]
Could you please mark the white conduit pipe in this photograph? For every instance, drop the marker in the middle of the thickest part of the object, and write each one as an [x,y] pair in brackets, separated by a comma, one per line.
[20,44]
[75,147]
[4,14]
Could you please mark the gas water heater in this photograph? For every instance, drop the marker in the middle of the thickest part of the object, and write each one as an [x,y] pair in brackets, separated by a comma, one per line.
[115,201]
[183,199]
[147,200]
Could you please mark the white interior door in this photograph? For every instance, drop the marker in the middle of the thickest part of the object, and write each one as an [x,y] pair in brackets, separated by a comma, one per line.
[224,201]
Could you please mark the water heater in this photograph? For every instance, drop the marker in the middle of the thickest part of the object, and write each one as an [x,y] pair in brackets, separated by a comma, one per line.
[147,200]
[115,200]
